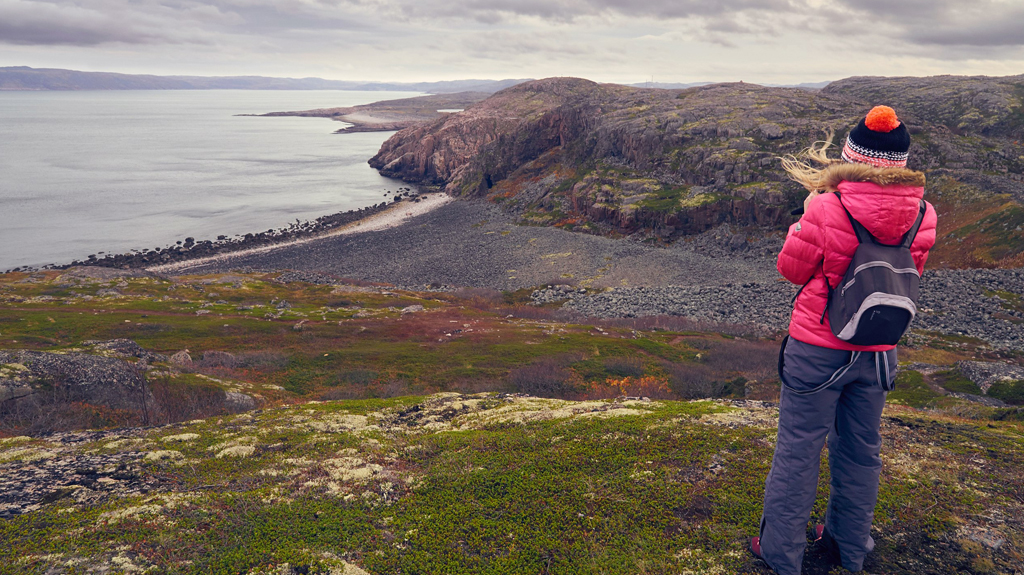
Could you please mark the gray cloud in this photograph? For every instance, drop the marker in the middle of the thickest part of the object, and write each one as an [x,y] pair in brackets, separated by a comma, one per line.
[503,44]
[494,11]
[31,23]
[946,22]
[977,23]
[94,22]
[926,22]
[684,39]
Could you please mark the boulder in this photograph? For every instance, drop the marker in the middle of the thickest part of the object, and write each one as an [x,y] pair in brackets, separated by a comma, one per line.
[77,376]
[986,373]
[235,402]
[182,358]
[123,348]
[219,359]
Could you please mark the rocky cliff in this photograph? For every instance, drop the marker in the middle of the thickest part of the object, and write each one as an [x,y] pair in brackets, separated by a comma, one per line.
[618,160]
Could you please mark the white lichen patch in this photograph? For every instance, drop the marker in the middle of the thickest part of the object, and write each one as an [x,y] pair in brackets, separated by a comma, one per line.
[753,415]
[340,423]
[49,558]
[351,469]
[318,438]
[699,562]
[127,565]
[183,437]
[135,512]
[926,461]
[528,409]
[243,440]
[164,455]
[151,508]
[14,440]
[27,454]
[236,451]
[119,443]
[9,370]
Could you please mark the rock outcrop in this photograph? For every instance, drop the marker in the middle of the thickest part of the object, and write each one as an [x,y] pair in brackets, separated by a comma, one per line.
[618,160]
[106,381]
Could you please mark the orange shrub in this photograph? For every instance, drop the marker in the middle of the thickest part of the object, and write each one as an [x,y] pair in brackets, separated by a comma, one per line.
[650,386]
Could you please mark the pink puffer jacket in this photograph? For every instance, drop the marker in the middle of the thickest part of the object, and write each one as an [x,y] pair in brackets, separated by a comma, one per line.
[886,201]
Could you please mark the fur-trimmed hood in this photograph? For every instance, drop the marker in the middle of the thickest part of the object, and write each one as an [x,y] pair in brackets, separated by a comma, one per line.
[833,174]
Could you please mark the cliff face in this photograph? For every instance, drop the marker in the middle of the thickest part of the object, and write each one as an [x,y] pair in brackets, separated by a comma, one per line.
[618,160]
[486,142]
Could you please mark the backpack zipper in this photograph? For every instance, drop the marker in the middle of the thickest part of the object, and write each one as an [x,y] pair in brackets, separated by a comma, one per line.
[842,292]
[878,263]
[875,264]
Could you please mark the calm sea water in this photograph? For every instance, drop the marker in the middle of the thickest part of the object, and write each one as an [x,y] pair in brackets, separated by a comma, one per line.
[89,172]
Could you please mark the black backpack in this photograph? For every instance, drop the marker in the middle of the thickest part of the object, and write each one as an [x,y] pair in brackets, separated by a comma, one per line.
[877,298]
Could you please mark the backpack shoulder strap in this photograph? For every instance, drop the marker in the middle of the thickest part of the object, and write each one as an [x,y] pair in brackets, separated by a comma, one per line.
[908,238]
[863,235]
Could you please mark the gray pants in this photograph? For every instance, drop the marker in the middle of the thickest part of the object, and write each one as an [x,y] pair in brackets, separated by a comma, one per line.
[839,395]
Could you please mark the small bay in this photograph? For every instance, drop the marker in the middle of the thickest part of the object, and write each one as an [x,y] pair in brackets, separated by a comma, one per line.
[109,171]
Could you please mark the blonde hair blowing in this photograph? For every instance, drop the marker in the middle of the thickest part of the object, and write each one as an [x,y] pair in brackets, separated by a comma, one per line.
[801,167]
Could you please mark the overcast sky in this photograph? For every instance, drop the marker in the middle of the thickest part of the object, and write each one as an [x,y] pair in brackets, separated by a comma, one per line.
[767,41]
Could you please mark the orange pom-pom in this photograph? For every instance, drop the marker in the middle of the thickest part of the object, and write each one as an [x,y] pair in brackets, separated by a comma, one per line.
[882,119]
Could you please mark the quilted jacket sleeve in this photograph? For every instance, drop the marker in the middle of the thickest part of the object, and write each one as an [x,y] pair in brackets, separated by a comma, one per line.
[803,251]
[925,238]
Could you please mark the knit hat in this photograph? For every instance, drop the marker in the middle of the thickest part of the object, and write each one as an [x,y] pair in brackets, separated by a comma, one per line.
[880,139]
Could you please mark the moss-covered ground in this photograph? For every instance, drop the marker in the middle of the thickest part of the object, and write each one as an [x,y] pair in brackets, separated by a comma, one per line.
[488,483]
[293,340]
[430,462]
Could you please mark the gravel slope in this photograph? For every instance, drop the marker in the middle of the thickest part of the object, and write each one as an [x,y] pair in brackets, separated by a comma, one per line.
[471,243]
[716,277]
[975,303]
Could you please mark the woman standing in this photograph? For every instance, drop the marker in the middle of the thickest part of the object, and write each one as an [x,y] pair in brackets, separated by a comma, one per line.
[834,388]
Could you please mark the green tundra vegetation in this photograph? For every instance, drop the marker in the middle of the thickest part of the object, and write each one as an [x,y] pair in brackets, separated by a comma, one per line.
[474,434]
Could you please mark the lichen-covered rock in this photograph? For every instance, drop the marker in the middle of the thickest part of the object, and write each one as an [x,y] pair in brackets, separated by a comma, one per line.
[219,359]
[987,373]
[182,358]
[123,348]
[79,377]
[235,402]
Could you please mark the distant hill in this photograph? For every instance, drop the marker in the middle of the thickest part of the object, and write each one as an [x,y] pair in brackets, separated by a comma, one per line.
[683,86]
[664,164]
[668,85]
[24,78]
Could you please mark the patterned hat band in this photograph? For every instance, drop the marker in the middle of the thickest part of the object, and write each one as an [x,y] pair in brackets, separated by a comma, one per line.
[859,154]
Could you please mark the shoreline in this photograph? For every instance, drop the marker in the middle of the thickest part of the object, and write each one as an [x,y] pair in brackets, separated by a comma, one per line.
[392,216]
[390,115]
[191,249]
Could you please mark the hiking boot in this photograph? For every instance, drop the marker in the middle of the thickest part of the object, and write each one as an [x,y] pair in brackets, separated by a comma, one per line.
[755,547]
[821,538]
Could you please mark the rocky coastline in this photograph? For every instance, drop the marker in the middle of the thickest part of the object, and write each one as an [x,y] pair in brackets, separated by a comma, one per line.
[190,248]
[391,115]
